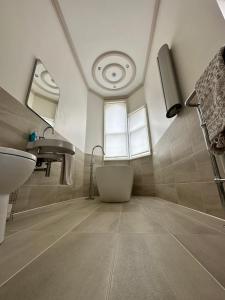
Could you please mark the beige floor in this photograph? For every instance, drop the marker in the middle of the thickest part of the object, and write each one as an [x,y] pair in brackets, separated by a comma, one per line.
[142,250]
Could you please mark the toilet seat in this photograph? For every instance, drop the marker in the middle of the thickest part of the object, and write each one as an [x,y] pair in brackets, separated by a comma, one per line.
[15,152]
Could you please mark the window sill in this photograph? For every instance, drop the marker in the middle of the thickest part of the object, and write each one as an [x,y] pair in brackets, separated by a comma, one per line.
[116,159]
[127,159]
[140,156]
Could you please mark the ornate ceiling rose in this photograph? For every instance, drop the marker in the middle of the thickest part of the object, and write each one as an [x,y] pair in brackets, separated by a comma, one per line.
[113,70]
[44,80]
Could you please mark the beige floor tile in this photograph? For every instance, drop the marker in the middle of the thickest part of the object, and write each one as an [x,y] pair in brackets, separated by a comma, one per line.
[61,225]
[100,221]
[156,267]
[209,251]
[131,206]
[77,267]
[110,207]
[116,251]
[53,219]
[21,248]
[139,223]
[175,222]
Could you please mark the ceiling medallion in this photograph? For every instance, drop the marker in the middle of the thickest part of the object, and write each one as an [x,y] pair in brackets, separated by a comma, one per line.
[113,70]
[44,80]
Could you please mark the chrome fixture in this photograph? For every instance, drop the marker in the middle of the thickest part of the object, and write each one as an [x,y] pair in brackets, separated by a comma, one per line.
[47,128]
[217,177]
[91,185]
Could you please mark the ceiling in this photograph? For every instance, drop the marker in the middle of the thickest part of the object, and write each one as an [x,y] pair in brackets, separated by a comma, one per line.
[110,40]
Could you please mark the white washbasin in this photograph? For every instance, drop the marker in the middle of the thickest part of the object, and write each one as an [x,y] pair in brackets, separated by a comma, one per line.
[51,146]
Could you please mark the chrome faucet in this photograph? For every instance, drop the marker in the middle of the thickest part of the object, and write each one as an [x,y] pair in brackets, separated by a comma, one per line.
[91,185]
[46,128]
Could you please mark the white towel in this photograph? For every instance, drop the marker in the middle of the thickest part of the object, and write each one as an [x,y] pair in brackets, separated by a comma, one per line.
[66,170]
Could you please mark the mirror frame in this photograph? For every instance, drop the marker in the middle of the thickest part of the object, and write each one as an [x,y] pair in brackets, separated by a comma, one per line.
[37,60]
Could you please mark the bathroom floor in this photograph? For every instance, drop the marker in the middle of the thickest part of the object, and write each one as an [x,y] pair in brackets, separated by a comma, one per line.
[83,249]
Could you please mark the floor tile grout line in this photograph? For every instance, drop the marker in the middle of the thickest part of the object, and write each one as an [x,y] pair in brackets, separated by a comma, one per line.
[30,227]
[196,260]
[200,222]
[189,208]
[193,257]
[60,203]
[45,250]
[110,280]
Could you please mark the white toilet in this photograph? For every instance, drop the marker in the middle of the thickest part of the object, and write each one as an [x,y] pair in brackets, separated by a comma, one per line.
[16,166]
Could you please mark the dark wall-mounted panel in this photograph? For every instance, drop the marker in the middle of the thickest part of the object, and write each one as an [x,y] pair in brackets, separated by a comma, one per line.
[169,82]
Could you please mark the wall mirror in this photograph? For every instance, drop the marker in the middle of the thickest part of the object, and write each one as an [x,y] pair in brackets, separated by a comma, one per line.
[43,94]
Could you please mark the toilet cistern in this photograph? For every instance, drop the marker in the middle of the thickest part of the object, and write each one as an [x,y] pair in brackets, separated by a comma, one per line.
[16,166]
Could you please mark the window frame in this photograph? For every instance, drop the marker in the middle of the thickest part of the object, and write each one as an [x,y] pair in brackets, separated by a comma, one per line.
[126,133]
[146,153]
[129,156]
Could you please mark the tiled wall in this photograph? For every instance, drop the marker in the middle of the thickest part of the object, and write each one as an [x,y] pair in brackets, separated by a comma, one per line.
[182,169]
[143,175]
[40,190]
[16,122]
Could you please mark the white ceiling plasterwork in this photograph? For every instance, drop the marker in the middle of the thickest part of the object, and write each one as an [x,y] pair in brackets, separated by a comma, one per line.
[107,36]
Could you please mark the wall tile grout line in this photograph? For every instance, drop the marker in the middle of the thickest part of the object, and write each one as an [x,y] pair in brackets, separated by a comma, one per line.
[46,249]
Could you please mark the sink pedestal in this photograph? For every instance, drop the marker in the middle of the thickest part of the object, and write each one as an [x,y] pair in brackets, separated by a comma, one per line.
[4,201]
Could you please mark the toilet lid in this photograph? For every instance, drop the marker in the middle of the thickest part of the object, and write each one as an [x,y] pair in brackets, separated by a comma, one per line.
[16,152]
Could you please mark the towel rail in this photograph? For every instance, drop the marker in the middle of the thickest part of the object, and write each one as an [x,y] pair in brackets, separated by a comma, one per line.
[217,179]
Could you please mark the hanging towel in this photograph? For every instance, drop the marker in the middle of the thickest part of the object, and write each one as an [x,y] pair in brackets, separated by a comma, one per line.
[210,90]
[66,170]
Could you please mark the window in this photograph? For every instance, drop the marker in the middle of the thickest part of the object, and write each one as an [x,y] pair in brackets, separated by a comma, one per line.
[115,125]
[138,133]
[125,137]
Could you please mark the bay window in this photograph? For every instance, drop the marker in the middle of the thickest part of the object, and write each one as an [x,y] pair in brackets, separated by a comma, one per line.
[125,136]
[138,133]
[115,130]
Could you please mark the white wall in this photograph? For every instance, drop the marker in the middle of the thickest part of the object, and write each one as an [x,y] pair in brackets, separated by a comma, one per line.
[136,100]
[94,129]
[194,30]
[30,29]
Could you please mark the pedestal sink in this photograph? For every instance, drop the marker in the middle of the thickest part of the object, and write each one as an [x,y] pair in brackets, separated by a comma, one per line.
[16,166]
